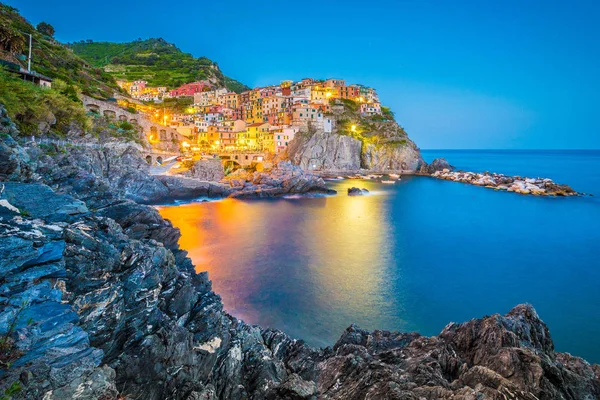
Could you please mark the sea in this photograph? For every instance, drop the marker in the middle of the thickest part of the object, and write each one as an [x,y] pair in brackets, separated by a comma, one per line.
[412,256]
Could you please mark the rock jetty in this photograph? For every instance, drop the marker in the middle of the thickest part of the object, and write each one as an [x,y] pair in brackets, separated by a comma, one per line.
[517,184]
[441,169]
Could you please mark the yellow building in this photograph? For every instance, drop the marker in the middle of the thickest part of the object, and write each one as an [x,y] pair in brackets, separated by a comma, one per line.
[321,94]
[213,137]
[254,94]
[254,136]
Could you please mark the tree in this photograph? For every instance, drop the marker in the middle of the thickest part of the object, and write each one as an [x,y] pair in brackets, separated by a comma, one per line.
[45,29]
[11,40]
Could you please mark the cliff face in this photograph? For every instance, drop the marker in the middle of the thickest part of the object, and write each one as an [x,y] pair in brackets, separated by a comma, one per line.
[357,142]
[98,302]
[402,155]
[323,151]
[333,152]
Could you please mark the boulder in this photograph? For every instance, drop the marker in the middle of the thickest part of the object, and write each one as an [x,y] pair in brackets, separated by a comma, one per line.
[354,191]
[207,170]
[437,165]
[283,179]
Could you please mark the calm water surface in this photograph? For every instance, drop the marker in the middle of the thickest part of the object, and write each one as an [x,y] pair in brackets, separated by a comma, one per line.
[412,256]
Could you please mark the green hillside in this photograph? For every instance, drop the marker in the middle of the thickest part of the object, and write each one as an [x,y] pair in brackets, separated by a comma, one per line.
[49,57]
[153,60]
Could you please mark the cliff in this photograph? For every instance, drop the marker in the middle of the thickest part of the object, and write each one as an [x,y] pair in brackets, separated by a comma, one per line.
[99,302]
[375,143]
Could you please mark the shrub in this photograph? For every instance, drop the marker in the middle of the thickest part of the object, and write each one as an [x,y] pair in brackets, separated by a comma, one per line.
[29,105]
[45,29]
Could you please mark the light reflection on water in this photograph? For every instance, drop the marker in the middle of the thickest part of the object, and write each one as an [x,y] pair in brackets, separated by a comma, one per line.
[411,256]
[295,260]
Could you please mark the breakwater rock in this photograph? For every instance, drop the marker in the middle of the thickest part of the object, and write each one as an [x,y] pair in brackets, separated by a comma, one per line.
[517,184]
[282,179]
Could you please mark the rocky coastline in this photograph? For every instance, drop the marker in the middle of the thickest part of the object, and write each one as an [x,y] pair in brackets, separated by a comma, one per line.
[99,302]
[441,169]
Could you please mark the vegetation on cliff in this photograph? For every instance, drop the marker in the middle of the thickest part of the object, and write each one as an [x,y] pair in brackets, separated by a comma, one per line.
[41,110]
[154,60]
[49,57]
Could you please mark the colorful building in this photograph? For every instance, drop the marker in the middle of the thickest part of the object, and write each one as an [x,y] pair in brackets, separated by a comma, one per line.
[190,89]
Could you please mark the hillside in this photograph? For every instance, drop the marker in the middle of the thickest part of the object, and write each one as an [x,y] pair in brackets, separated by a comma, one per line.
[49,57]
[153,60]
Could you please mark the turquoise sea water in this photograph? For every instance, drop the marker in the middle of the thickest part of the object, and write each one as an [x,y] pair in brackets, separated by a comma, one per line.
[411,256]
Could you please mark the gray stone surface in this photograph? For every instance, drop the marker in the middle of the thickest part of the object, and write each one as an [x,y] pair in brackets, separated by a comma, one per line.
[103,304]
[207,170]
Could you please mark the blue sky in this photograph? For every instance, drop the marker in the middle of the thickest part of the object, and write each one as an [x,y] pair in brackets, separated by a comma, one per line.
[458,74]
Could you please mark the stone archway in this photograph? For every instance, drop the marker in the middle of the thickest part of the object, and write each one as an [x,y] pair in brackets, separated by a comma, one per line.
[122,117]
[133,121]
[159,159]
[110,114]
[231,165]
[163,134]
[93,108]
[149,159]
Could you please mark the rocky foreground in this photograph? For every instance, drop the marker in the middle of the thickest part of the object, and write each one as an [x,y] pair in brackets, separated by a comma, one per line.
[440,169]
[98,302]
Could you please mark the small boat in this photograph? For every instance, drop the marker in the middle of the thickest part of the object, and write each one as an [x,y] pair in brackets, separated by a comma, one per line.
[395,176]
[388,182]
[340,177]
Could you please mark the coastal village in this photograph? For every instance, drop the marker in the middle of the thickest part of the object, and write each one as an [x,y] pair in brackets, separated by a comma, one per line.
[264,119]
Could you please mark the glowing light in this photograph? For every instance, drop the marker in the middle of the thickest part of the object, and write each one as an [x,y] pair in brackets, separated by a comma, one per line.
[216,142]
[353,128]
[185,144]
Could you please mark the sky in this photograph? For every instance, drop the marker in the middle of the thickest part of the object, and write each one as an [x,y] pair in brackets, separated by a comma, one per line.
[458,74]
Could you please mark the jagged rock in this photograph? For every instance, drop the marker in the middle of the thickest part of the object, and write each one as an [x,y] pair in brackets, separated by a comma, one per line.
[439,164]
[401,155]
[354,191]
[54,206]
[283,179]
[323,151]
[538,187]
[188,188]
[333,152]
[207,170]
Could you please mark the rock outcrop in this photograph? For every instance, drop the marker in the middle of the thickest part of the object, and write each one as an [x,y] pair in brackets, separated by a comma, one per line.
[354,191]
[325,151]
[497,357]
[283,179]
[516,184]
[401,156]
[439,164]
[330,152]
[206,170]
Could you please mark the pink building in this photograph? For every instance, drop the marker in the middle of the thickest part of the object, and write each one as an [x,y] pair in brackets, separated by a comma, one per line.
[189,89]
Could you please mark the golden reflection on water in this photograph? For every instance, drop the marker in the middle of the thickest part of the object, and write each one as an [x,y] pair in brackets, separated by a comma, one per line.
[282,260]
